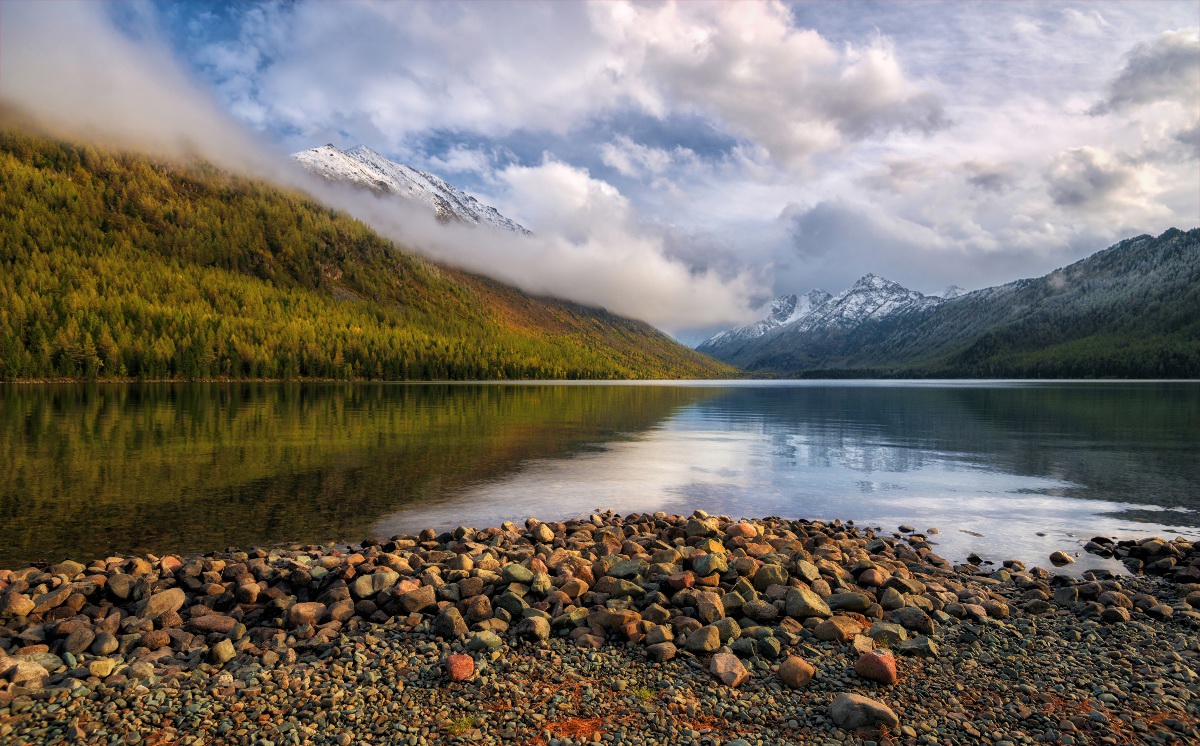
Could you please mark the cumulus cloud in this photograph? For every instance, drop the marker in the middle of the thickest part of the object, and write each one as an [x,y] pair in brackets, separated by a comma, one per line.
[1166,69]
[750,68]
[392,71]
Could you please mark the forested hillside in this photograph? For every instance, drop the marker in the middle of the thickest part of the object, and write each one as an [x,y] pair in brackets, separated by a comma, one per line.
[114,265]
[1129,311]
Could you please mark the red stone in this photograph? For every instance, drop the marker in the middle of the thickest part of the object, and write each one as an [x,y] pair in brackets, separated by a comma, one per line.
[742,530]
[460,667]
[877,665]
[681,580]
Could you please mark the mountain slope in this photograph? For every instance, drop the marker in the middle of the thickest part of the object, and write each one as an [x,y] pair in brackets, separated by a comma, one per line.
[114,265]
[366,168]
[1132,310]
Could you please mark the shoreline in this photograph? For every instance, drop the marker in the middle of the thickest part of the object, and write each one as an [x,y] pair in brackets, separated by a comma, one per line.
[635,629]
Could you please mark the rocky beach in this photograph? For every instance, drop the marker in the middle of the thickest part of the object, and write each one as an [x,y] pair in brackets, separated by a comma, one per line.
[636,629]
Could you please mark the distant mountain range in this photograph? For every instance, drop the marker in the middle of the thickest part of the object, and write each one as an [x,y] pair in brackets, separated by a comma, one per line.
[366,168]
[1132,310]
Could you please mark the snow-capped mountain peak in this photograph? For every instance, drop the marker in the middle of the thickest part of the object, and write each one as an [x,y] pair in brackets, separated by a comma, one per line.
[365,167]
[871,297]
[952,291]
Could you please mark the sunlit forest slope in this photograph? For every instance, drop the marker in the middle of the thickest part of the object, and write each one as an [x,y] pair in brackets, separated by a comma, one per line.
[114,265]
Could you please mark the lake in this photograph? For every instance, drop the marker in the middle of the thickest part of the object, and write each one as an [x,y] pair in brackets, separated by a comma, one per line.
[1004,469]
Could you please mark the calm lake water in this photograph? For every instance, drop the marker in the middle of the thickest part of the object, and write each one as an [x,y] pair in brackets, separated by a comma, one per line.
[88,470]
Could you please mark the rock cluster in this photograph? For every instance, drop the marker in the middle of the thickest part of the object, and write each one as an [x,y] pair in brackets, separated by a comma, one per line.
[741,600]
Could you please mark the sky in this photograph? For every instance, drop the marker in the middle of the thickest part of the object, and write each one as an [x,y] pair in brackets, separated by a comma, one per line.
[682,163]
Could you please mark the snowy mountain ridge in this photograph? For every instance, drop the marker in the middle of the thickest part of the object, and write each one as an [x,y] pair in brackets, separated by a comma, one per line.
[362,166]
[872,297]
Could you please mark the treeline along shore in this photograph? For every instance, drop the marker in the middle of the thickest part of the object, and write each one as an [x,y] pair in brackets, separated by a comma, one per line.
[643,629]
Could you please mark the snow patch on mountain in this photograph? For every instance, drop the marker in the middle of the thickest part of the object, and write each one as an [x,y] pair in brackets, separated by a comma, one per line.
[365,167]
[872,297]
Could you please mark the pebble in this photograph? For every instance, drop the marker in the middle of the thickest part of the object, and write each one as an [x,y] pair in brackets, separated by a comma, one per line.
[571,631]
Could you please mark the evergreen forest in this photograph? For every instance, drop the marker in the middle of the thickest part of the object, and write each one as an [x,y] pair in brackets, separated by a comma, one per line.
[118,266]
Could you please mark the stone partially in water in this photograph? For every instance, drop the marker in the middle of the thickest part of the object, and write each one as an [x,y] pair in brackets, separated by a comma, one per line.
[1061,558]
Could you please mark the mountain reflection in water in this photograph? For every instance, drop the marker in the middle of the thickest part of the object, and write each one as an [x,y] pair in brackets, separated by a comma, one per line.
[89,470]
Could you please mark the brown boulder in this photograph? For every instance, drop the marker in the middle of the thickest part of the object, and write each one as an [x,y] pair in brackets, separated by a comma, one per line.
[796,672]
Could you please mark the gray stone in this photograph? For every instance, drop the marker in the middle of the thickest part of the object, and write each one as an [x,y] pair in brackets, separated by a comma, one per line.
[450,624]
[534,628]
[661,652]
[769,575]
[221,653]
[852,711]
[910,617]
[709,607]
[802,603]
[105,643]
[418,600]
[760,611]
[627,569]
[485,640]
[53,599]
[920,646]
[627,589]
[704,640]
[514,573]
[79,640]
[807,571]
[887,633]
[709,564]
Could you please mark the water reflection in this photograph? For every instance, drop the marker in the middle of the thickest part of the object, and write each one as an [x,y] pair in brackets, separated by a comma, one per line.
[1006,471]
[87,470]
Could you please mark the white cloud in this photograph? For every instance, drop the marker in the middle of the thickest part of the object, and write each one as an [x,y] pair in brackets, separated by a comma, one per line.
[588,245]
[634,159]
[460,159]
[748,67]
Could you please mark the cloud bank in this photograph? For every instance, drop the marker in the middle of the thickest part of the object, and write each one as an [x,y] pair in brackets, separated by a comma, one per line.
[682,162]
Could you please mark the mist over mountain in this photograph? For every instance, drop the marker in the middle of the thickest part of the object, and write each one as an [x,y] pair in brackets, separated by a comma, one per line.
[1127,311]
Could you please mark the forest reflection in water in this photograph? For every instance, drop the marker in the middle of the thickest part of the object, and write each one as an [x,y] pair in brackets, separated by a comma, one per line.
[89,470]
